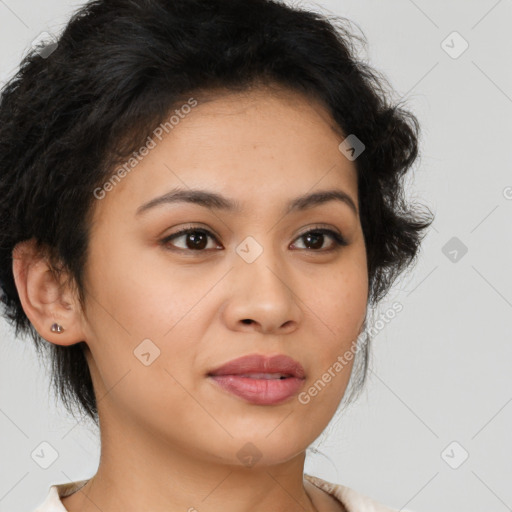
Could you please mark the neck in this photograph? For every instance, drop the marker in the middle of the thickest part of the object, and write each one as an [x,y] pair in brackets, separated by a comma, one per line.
[149,473]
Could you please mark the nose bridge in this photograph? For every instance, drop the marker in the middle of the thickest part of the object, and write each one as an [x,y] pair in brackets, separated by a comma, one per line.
[261,262]
[262,291]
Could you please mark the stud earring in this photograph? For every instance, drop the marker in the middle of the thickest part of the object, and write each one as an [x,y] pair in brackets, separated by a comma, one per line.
[56,328]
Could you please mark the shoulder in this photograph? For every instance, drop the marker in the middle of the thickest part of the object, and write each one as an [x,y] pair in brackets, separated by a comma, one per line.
[53,502]
[352,500]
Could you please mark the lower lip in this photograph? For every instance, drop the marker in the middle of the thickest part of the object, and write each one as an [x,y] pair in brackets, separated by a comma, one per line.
[260,391]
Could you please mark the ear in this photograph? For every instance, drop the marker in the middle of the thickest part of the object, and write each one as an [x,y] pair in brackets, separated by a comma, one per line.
[44,297]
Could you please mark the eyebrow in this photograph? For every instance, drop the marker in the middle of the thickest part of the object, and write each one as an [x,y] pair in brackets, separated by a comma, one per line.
[214,201]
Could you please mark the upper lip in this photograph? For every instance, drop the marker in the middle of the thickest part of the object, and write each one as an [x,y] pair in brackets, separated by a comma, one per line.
[257,363]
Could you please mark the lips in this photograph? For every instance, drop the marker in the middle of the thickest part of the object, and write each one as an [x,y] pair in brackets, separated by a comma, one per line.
[260,380]
[262,367]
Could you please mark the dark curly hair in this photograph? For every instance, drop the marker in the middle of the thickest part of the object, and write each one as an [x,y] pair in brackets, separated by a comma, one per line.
[119,68]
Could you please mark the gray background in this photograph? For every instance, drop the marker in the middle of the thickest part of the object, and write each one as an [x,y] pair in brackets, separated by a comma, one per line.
[441,367]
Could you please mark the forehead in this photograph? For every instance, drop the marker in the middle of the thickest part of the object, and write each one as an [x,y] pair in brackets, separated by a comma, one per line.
[252,146]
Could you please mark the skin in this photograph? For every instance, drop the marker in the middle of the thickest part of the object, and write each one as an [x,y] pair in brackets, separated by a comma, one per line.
[169,435]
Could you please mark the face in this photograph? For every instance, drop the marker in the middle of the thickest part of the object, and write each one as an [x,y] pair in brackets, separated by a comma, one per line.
[164,309]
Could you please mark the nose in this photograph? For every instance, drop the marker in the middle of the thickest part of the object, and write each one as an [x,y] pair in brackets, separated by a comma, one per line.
[261,296]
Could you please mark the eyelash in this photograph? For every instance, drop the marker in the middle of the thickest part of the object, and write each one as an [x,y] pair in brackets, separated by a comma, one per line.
[339,240]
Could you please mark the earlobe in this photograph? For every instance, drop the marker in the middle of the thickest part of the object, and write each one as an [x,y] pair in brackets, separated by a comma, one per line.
[49,305]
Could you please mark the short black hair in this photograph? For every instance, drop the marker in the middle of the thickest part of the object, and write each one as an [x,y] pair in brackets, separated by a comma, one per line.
[120,67]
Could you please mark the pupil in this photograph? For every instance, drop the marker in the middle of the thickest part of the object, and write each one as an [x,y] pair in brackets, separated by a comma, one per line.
[198,240]
[316,238]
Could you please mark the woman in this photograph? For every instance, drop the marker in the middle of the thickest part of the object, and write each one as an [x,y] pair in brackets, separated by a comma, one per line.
[202,199]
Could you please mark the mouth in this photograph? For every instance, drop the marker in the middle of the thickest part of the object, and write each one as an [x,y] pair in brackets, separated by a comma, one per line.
[260,366]
[265,376]
[260,380]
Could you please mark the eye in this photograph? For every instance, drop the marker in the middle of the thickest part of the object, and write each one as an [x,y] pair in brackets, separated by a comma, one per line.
[315,238]
[195,239]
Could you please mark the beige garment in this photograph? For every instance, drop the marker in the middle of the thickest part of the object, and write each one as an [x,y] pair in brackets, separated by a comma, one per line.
[349,498]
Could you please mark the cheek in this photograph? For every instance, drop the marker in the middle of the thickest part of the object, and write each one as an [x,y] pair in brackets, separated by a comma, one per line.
[134,292]
[143,312]
[338,315]
[339,308]
[142,326]
[340,301]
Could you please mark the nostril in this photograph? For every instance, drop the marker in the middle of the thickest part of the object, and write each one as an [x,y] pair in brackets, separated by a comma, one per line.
[247,321]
